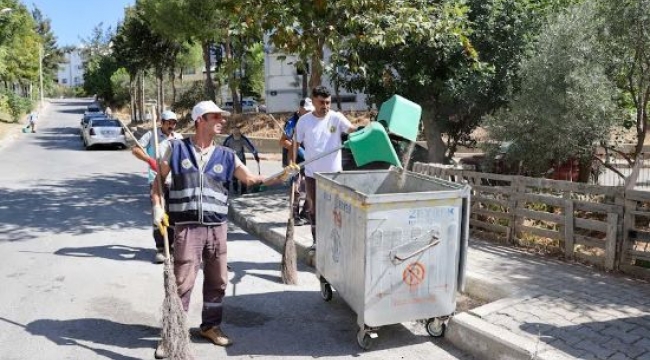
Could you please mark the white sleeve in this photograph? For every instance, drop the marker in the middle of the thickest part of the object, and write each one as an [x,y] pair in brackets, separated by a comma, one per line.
[145,139]
[344,123]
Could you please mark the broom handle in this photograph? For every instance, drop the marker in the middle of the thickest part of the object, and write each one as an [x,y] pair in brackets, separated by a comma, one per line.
[133,136]
[159,180]
[280,173]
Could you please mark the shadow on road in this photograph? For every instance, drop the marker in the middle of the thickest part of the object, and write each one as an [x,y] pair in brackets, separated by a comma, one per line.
[78,206]
[111,252]
[96,331]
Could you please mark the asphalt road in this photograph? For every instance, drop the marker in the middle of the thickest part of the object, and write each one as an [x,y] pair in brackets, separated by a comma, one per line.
[78,282]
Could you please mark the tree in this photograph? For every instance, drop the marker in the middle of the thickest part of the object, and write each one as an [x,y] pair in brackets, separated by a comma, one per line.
[566,106]
[53,55]
[625,39]
[19,46]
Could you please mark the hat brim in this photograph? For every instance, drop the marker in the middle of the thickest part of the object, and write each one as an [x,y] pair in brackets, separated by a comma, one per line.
[223,113]
[309,108]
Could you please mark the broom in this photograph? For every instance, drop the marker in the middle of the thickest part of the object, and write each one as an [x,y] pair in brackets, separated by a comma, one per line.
[175,334]
[289,267]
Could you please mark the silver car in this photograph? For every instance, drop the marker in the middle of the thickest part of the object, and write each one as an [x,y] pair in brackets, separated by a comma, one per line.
[104,131]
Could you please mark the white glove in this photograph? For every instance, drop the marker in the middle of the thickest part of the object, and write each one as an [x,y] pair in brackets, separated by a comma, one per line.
[289,171]
[160,219]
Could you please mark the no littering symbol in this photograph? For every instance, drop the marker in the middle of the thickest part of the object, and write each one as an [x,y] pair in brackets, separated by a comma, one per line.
[413,275]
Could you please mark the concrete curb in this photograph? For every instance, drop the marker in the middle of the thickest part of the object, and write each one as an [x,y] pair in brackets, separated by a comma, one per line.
[467,331]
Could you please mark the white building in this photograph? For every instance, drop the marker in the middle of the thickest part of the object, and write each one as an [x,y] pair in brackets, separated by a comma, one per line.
[283,85]
[71,71]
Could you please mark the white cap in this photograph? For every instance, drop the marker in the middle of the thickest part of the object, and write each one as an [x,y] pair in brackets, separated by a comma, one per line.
[207,107]
[168,115]
[307,104]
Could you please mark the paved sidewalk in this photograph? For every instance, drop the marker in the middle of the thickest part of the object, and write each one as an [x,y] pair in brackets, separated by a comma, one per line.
[540,307]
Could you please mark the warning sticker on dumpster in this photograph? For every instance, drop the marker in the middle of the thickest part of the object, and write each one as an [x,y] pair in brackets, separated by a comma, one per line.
[413,274]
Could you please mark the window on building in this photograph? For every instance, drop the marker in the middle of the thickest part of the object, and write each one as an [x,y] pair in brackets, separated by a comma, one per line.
[76,79]
[189,71]
[80,67]
[64,81]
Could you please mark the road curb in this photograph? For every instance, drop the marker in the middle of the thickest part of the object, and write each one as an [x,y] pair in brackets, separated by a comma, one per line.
[467,331]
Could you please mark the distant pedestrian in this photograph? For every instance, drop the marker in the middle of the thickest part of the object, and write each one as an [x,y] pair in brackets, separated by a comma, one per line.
[238,142]
[319,132]
[286,141]
[165,133]
[108,111]
[32,120]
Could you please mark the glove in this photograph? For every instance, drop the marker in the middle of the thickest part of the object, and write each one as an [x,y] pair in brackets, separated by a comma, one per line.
[160,219]
[289,171]
[152,164]
[256,156]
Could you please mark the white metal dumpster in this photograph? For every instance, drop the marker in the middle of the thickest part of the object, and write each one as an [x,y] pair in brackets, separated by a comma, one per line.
[393,248]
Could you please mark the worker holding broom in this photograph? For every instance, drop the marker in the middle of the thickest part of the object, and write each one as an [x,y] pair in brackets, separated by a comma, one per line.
[198,205]
[145,152]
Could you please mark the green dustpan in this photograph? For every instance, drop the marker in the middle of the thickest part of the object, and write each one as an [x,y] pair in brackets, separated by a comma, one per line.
[372,144]
[367,145]
[401,117]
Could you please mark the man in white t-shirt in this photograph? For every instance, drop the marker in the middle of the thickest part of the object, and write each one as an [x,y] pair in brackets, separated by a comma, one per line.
[320,131]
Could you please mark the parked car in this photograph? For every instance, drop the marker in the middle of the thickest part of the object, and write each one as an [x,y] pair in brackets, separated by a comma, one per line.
[103,131]
[247,106]
[86,118]
[92,109]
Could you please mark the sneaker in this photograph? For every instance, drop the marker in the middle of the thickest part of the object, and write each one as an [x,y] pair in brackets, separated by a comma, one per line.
[216,336]
[159,258]
[300,221]
[161,352]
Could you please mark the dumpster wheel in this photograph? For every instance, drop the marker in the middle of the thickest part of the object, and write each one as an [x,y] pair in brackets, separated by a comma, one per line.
[326,291]
[366,338]
[436,327]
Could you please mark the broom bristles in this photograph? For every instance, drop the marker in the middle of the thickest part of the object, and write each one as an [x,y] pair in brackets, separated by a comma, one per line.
[289,267]
[175,333]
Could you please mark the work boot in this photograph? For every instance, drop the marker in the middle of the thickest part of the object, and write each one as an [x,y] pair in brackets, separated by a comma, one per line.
[161,352]
[216,336]
[159,258]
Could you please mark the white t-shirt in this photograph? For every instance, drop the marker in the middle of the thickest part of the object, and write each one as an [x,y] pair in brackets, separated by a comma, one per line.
[320,135]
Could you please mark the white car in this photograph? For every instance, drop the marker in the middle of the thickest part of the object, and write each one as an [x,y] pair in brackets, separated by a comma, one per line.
[86,119]
[104,131]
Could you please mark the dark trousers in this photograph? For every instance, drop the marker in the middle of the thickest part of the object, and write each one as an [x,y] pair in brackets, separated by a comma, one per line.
[237,186]
[157,235]
[310,185]
[207,244]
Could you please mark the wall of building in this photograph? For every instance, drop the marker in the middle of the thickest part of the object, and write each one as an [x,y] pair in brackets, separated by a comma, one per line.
[71,72]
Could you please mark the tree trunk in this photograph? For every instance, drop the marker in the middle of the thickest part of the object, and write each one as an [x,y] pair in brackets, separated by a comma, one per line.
[338,95]
[584,170]
[132,97]
[232,81]
[433,136]
[141,108]
[316,66]
[209,83]
[172,78]
[160,93]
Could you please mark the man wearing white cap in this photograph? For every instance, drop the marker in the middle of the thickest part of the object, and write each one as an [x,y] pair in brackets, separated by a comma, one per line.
[165,133]
[198,204]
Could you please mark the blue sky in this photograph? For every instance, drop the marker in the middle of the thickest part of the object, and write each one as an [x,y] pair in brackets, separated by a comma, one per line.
[73,20]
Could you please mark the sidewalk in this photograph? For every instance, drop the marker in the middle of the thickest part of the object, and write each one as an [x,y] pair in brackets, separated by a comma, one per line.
[539,307]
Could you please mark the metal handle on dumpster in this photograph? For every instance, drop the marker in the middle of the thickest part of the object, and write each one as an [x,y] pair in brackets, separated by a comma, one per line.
[397,258]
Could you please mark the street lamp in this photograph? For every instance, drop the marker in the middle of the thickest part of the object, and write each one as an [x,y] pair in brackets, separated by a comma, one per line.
[40,73]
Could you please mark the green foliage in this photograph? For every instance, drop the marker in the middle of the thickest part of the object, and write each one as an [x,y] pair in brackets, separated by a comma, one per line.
[566,105]
[120,83]
[97,77]
[189,98]
[253,81]
[624,37]
[17,105]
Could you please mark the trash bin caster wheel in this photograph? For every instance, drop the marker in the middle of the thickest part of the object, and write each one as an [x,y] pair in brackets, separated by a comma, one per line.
[365,340]
[326,291]
[436,327]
